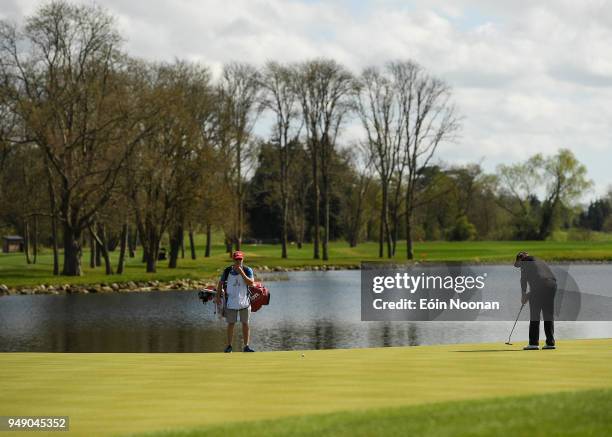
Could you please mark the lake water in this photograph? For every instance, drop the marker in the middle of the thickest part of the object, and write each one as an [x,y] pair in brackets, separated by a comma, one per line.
[310,310]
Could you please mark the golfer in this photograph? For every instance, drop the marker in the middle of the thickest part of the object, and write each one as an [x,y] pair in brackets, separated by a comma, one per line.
[541,297]
[233,287]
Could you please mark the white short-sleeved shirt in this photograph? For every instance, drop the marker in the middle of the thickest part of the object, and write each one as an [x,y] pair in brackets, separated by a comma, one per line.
[237,290]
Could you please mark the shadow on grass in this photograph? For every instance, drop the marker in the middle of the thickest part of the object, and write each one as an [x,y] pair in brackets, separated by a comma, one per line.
[493,350]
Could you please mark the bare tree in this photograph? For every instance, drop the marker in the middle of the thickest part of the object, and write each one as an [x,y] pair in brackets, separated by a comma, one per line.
[357,187]
[238,100]
[382,118]
[324,88]
[300,185]
[281,99]
[428,119]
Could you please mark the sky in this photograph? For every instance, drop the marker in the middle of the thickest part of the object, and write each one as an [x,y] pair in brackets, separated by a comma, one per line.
[527,76]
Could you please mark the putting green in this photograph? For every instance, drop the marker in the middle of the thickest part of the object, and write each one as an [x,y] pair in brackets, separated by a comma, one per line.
[109,394]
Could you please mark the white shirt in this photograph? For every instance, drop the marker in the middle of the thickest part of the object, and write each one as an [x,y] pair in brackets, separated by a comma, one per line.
[237,290]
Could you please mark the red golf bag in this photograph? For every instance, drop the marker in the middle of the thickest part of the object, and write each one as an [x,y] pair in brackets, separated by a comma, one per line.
[259,296]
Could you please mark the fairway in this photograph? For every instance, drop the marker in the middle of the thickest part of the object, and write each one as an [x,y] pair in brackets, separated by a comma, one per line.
[114,394]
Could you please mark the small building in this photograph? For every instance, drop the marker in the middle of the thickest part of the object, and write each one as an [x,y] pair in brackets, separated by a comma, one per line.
[12,243]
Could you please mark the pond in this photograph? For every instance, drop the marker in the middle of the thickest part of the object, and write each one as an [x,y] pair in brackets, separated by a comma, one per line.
[310,310]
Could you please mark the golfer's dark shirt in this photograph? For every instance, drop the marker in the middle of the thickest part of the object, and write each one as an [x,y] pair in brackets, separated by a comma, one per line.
[537,274]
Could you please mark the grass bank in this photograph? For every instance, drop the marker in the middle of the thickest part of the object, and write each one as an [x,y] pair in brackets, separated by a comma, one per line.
[15,272]
[114,394]
[583,413]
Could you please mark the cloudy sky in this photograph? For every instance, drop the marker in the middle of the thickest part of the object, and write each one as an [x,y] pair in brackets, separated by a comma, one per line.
[527,76]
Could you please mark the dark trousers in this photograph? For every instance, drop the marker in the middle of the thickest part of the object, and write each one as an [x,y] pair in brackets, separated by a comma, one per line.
[542,301]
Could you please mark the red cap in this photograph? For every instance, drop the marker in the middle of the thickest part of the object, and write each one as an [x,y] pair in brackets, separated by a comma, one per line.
[238,255]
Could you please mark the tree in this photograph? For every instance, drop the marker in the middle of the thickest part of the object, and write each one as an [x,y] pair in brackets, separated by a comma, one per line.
[300,189]
[596,214]
[381,117]
[238,102]
[566,180]
[324,88]
[166,170]
[357,189]
[563,178]
[517,194]
[428,119]
[281,99]
[62,74]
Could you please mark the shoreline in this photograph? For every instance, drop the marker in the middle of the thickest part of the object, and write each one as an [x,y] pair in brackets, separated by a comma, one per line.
[189,284]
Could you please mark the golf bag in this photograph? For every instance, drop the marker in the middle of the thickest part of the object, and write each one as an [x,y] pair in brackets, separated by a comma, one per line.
[259,296]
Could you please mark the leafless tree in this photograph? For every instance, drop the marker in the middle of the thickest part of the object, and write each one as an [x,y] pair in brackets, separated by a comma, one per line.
[382,118]
[324,88]
[280,98]
[238,100]
[428,119]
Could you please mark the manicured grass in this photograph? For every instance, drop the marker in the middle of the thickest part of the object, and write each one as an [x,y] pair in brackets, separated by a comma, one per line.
[584,413]
[109,394]
[14,270]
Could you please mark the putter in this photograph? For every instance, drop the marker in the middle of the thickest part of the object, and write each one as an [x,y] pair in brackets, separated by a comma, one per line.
[514,326]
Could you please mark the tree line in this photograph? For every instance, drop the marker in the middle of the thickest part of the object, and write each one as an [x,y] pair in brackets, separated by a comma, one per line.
[101,149]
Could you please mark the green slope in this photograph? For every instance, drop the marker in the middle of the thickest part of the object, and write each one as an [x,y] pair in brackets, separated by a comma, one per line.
[584,413]
[15,272]
[106,394]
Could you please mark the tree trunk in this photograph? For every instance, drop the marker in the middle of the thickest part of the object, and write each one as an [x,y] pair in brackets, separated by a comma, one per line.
[284,230]
[192,243]
[26,241]
[182,243]
[92,250]
[53,222]
[132,240]
[239,195]
[325,149]
[284,162]
[388,233]
[72,252]
[152,251]
[175,246]
[548,216]
[300,233]
[98,253]
[152,262]
[103,245]
[409,245]
[35,240]
[122,248]
[326,225]
[384,234]
[228,245]
[317,212]
[54,243]
[208,240]
[145,254]
[381,230]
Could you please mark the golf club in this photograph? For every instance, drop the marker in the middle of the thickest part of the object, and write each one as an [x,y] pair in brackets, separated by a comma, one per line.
[514,326]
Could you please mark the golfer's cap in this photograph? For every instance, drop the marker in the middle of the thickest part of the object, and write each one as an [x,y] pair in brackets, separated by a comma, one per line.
[237,255]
